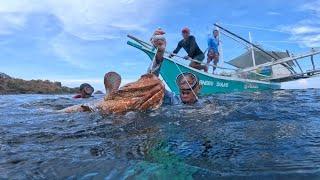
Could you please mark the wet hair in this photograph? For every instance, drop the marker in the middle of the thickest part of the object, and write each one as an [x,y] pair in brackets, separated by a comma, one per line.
[84,85]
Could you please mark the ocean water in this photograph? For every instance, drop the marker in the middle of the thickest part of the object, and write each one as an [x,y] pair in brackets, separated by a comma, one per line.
[263,135]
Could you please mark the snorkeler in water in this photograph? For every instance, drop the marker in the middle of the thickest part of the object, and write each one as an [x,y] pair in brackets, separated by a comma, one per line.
[189,88]
[86,91]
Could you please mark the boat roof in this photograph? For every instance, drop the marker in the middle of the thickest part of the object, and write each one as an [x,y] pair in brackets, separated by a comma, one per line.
[245,60]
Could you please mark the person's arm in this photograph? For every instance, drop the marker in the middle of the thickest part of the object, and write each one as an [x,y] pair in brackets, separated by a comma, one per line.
[87,107]
[179,46]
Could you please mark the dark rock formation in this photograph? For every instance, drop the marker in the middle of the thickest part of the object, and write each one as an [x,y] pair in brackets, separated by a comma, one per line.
[98,92]
[9,85]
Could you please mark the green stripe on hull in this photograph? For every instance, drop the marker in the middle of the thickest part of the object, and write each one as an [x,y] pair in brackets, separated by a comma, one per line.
[211,84]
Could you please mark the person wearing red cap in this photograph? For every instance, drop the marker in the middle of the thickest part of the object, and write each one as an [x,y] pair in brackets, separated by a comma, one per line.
[189,44]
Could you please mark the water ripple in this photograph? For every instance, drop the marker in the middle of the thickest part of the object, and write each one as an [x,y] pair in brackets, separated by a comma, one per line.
[265,134]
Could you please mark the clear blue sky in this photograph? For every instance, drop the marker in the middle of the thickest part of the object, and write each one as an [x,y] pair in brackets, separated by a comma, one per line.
[78,41]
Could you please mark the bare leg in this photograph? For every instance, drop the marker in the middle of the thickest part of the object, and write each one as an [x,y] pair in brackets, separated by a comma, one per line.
[208,62]
[215,62]
[209,59]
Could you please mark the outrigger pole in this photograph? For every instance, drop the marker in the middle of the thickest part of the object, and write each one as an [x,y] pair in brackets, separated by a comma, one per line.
[278,60]
[284,60]
[251,45]
[246,41]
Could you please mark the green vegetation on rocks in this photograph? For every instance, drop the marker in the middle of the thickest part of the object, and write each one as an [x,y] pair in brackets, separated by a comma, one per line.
[9,85]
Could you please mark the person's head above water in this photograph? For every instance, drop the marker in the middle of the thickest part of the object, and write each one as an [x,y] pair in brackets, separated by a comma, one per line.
[189,88]
[185,33]
[86,90]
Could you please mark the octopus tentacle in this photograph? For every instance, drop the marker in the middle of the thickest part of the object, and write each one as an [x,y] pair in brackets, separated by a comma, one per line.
[144,94]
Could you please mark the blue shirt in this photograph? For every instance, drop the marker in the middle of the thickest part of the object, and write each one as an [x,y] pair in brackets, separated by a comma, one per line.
[213,43]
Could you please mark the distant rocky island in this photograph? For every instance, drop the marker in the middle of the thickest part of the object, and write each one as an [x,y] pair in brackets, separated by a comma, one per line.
[10,85]
[98,92]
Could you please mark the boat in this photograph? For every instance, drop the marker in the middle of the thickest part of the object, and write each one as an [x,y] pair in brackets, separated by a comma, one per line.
[265,73]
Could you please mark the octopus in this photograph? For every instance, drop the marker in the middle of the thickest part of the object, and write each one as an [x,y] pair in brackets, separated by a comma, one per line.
[145,94]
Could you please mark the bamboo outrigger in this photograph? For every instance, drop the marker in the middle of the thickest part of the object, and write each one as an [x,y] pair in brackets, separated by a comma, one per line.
[247,77]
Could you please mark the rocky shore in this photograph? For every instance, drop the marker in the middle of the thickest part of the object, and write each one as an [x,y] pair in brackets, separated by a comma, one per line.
[10,85]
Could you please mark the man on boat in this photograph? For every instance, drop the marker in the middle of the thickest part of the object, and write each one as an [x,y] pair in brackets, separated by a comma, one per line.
[213,49]
[189,44]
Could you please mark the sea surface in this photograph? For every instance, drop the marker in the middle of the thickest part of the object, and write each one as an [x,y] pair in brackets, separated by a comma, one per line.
[265,135]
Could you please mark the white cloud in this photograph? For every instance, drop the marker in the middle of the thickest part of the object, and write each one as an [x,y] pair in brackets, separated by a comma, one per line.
[312,6]
[86,19]
[273,13]
[63,51]
[69,81]
[302,84]
[304,34]
[303,29]
[10,22]
[307,31]
[309,40]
